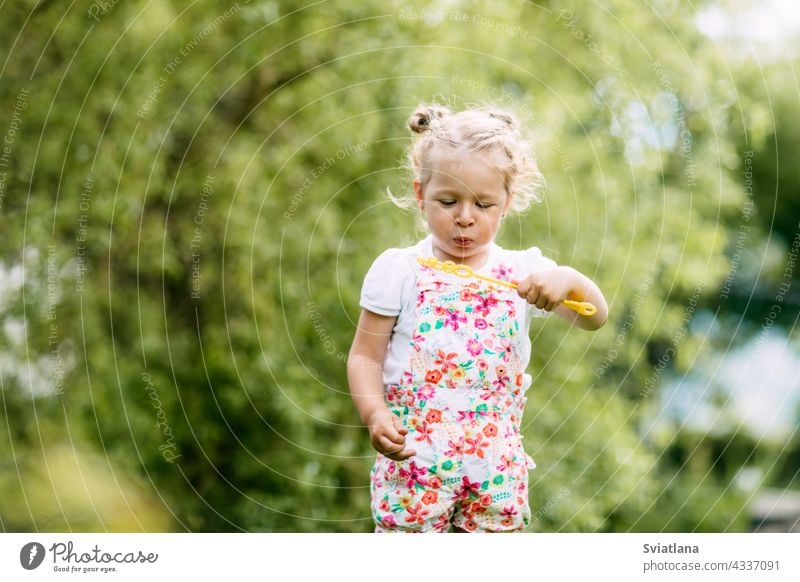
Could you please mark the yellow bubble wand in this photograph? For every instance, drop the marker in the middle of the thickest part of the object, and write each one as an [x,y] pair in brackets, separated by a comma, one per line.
[465,271]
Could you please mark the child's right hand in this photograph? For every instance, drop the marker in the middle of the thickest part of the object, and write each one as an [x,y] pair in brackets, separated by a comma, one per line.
[387,434]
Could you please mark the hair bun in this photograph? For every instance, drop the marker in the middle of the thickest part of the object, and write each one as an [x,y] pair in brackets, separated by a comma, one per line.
[420,120]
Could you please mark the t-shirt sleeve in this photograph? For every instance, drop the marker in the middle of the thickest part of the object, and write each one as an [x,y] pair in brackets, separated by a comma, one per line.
[534,261]
[386,282]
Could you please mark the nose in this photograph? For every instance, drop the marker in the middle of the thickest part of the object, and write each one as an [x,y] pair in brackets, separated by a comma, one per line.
[465,216]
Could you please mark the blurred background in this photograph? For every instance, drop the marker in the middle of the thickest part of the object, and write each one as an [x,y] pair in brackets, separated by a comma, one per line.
[191,194]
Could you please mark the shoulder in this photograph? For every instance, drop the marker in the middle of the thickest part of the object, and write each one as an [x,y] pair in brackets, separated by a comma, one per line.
[395,261]
[389,281]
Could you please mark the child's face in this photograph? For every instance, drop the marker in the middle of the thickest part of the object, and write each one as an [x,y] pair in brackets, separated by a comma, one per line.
[463,203]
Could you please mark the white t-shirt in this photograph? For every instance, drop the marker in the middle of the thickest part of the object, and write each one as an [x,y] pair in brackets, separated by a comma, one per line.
[389,289]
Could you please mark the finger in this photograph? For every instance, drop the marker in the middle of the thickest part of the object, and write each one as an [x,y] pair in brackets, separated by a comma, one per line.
[398,426]
[541,301]
[523,288]
[533,296]
[401,456]
[551,305]
[387,446]
[389,431]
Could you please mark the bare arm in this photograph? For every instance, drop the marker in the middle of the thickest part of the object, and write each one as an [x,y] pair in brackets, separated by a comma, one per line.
[546,289]
[365,376]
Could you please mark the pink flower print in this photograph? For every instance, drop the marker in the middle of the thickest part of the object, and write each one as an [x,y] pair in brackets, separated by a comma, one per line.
[500,383]
[474,347]
[424,433]
[506,462]
[388,522]
[417,514]
[426,392]
[469,488]
[393,393]
[442,523]
[466,295]
[509,511]
[484,305]
[480,324]
[417,339]
[384,506]
[505,349]
[482,365]
[454,318]
[444,361]
[466,415]
[438,310]
[456,447]
[502,272]
[502,377]
[414,475]
[476,445]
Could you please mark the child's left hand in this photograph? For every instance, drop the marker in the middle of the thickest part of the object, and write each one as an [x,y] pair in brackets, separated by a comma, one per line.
[546,289]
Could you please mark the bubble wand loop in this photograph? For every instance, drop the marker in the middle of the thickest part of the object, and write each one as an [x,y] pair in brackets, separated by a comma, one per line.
[582,307]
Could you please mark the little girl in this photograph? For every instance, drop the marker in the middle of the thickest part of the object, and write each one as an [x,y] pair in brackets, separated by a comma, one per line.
[437,366]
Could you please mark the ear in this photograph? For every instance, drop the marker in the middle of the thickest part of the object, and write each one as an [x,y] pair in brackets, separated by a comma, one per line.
[419,194]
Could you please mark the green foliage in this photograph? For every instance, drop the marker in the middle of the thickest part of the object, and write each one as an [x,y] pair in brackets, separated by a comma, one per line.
[194,196]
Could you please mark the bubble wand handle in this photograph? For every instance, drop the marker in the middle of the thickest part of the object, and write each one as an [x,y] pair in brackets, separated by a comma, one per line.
[465,271]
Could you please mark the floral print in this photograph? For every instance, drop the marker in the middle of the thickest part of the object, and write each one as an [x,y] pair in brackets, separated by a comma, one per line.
[460,399]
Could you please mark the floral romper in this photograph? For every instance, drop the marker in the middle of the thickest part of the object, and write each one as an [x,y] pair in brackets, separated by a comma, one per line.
[460,397]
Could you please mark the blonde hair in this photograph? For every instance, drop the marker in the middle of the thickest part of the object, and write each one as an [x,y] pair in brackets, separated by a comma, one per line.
[482,129]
